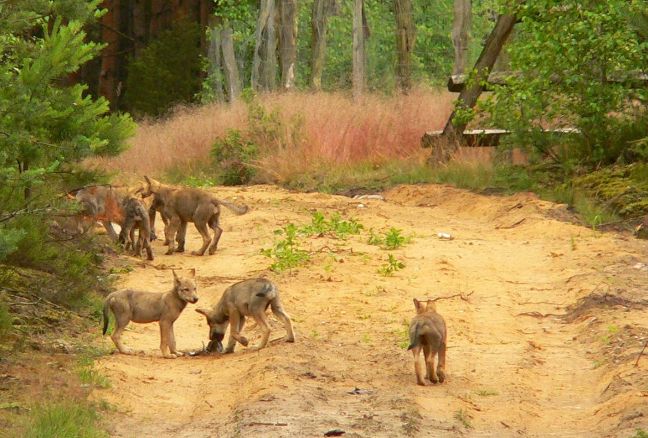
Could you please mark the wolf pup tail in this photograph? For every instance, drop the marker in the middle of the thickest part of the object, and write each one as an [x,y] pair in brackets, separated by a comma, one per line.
[105,316]
[238,209]
[414,340]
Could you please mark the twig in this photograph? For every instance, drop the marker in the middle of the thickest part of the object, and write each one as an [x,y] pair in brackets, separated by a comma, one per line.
[505,227]
[461,295]
[640,354]
[261,423]
[537,314]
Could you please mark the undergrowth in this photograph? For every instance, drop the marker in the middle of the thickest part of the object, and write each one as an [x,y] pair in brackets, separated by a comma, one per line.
[69,419]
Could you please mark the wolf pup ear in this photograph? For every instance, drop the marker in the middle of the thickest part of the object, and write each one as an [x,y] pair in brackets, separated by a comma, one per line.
[203,312]
[192,271]
[175,276]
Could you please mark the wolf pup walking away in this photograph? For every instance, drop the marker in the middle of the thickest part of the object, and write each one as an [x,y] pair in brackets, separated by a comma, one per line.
[184,204]
[246,298]
[142,307]
[427,331]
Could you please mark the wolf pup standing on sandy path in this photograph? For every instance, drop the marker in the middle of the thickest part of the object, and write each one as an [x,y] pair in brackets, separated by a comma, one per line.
[428,332]
[246,298]
[136,217]
[142,307]
[185,204]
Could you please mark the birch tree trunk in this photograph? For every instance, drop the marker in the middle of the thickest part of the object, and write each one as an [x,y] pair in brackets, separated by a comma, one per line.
[460,34]
[264,61]
[288,43]
[359,57]
[215,70]
[230,67]
[319,20]
[405,39]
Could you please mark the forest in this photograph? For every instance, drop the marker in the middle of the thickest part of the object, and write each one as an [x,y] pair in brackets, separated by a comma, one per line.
[375,145]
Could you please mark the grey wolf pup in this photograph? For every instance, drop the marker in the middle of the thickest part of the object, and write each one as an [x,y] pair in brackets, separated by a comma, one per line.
[246,298]
[142,307]
[184,204]
[427,331]
[136,217]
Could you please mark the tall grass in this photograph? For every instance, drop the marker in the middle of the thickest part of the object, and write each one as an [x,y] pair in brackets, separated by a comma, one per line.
[64,419]
[334,130]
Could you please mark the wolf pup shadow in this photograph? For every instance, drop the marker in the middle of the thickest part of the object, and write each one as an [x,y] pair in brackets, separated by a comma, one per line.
[246,298]
[427,331]
[142,307]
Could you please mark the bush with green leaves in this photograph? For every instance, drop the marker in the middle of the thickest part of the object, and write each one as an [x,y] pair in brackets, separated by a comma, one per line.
[232,156]
[575,63]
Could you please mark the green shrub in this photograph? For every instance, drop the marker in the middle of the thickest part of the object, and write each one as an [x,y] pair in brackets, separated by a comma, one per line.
[392,265]
[67,419]
[391,239]
[232,156]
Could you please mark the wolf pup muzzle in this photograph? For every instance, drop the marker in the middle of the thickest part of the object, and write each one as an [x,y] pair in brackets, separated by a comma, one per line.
[216,343]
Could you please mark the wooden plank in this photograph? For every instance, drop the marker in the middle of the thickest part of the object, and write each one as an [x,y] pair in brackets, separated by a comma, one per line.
[637,79]
[484,137]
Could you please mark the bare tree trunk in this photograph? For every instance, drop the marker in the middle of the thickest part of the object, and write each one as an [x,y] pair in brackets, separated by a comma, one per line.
[140,28]
[405,39]
[215,70]
[108,77]
[264,60]
[230,67]
[471,92]
[319,19]
[288,43]
[460,34]
[359,56]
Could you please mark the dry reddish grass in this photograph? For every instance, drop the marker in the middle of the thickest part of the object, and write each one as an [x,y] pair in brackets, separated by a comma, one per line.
[335,130]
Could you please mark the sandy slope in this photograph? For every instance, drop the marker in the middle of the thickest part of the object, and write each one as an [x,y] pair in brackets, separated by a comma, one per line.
[510,373]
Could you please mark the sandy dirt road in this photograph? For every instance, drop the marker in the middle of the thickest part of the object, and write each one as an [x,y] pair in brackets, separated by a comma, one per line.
[529,353]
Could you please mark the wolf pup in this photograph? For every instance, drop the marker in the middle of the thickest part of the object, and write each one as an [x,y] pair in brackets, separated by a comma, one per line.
[136,217]
[142,307]
[427,331]
[182,205]
[246,298]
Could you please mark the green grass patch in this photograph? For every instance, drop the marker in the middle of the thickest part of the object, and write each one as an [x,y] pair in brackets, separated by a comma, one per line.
[69,419]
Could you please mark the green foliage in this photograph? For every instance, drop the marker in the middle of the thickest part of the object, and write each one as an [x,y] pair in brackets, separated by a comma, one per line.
[167,72]
[286,253]
[232,155]
[68,419]
[392,265]
[391,239]
[335,226]
[88,374]
[641,433]
[573,61]
[46,128]
[6,321]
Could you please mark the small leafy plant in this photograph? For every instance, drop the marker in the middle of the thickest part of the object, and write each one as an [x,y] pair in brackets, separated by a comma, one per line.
[334,226]
[392,265]
[391,239]
[232,156]
[286,252]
